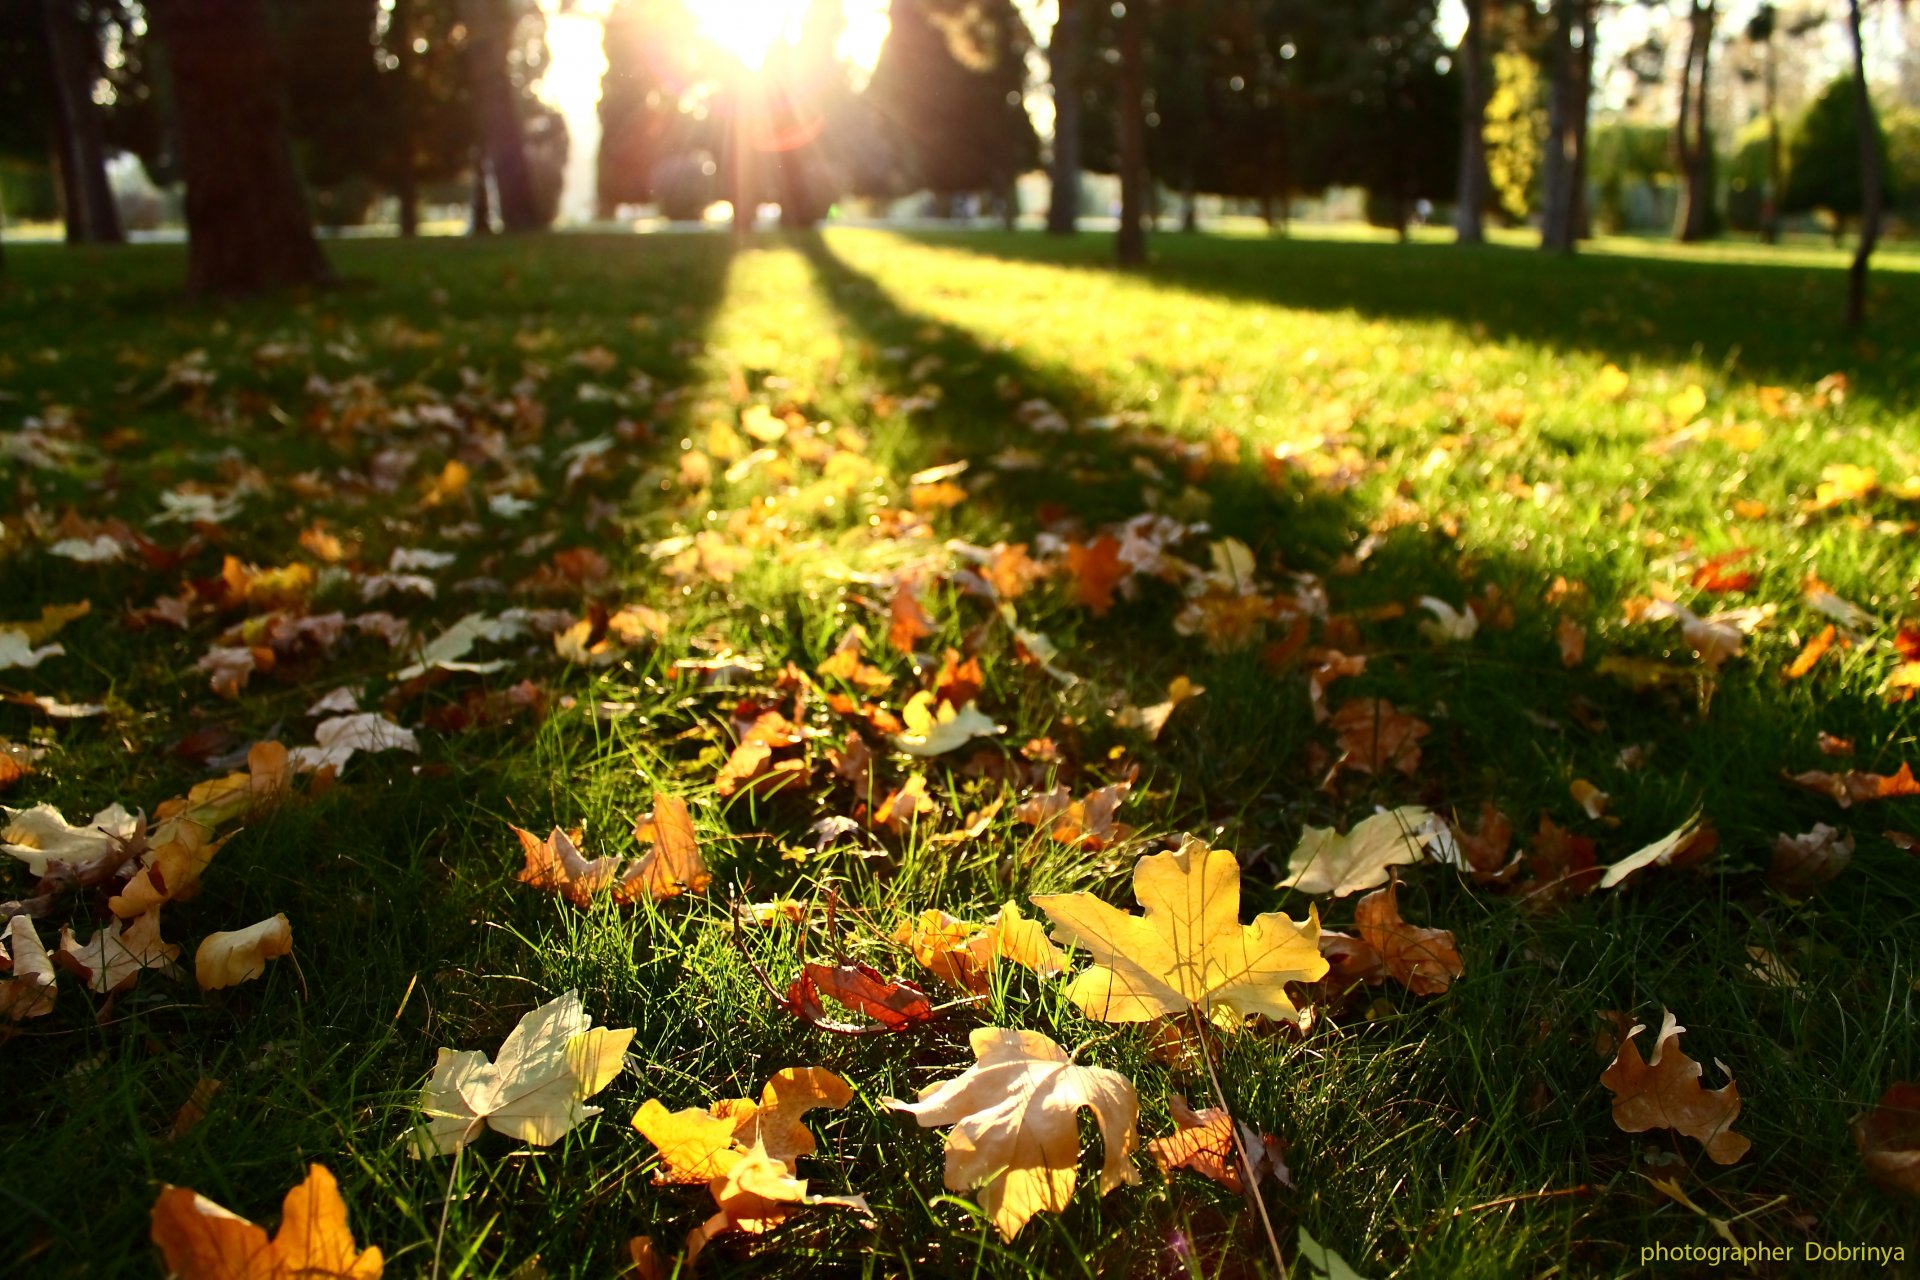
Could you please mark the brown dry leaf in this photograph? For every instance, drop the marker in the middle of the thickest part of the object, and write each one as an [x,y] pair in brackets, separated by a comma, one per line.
[29,989]
[1830,744]
[1814,650]
[1856,787]
[1015,1137]
[1590,798]
[1665,1093]
[1188,951]
[1087,823]
[228,959]
[16,761]
[118,953]
[958,682]
[1426,960]
[1572,638]
[194,1109]
[1330,665]
[1804,862]
[1486,849]
[202,1241]
[1889,1139]
[673,865]
[1374,737]
[1012,570]
[1097,571]
[909,621]
[1203,1142]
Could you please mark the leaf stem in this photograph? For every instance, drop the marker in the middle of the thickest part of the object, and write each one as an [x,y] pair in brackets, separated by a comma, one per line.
[1249,1176]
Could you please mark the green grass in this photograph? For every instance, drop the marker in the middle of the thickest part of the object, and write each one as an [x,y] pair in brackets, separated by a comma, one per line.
[1459,394]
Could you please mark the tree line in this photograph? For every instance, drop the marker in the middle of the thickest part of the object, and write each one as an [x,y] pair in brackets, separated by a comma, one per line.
[278,113]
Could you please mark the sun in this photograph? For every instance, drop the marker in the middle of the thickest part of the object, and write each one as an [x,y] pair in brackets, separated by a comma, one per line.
[747,28]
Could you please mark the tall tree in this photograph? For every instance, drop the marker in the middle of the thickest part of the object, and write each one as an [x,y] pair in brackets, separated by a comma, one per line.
[247,223]
[654,55]
[950,86]
[1065,52]
[1563,175]
[1761,29]
[1469,215]
[1130,128]
[1872,149]
[1692,137]
[490,37]
[73,49]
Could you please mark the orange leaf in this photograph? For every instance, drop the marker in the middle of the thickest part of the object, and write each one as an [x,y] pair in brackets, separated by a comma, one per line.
[1889,1139]
[202,1241]
[1665,1093]
[1203,1142]
[1376,737]
[896,1005]
[673,865]
[910,621]
[1855,787]
[1814,650]
[1097,570]
[1424,959]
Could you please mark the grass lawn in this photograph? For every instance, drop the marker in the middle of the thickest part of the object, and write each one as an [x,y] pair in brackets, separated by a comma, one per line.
[1555,442]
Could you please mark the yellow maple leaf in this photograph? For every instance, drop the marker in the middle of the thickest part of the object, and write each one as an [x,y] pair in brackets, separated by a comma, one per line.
[699,1144]
[202,1241]
[1016,1138]
[1188,951]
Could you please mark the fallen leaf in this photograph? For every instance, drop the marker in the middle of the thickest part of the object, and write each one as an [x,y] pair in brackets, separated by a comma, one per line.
[1889,1139]
[909,622]
[1660,853]
[697,1145]
[644,1260]
[1856,787]
[1590,798]
[756,1195]
[1665,1093]
[1202,1141]
[1814,650]
[1188,951]
[228,959]
[1097,570]
[556,865]
[897,1005]
[1572,639]
[118,953]
[29,990]
[42,835]
[202,1241]
[1485,850]
[1425,960]
[1325,862]
[1804,862]
[1015,1138]
[1718,576]
[964,955]
[535,1090]
[935,730]
[194,1109]
[338,740]
[1375,737]
[673,865]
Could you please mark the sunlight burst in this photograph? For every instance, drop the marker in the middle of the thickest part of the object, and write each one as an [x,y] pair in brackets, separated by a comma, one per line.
[747,28]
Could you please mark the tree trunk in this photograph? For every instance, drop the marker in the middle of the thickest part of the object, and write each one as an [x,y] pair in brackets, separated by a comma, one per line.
[1770,209]
[741,178]
[1556,161]
[1872,186]
[1693,220]
[1010,203]
[1469,223]
[480,220]
[72,50]
[406,187]
[248,228]
[1063,68]
[1190,206]
[490,31]
[1589,37]
[1130,245]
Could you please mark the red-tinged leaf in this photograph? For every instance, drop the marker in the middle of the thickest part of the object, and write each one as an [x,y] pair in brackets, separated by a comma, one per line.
[1564,864]
[1889,1139]
[909,621]
[1811,654]
[1907,644]
[1832,744]
[1856,787]
[1097,571]
[1903,840]
[1717,575]
[897,1005]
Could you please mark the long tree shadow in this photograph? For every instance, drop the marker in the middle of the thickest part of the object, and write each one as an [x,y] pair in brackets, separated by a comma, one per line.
[1773,323]
[1511,725]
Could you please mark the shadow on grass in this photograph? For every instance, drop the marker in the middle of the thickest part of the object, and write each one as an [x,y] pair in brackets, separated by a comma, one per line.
[1511,725]
[1772,323]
